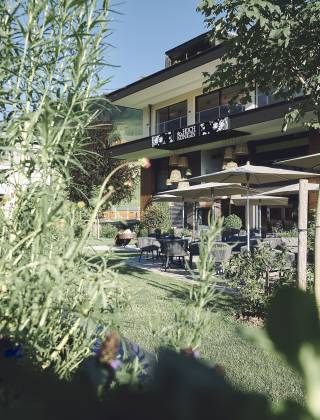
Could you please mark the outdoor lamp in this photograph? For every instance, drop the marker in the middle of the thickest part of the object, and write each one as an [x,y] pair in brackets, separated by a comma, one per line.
[183,162]
[228,153]
[242,149]
[183,184]
[175,175]
[229,165]
[173,160]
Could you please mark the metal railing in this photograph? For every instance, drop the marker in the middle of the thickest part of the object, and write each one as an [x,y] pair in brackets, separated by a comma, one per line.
[217,112]
[173,124]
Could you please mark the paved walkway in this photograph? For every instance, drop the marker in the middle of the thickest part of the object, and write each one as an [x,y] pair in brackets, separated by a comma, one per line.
[146,263]
[157,267]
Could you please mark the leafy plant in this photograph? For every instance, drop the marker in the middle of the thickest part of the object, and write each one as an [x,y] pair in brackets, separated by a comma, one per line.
[249,275]
[232,222]
[157,216]
[288,233]
[108,230]
[54,302]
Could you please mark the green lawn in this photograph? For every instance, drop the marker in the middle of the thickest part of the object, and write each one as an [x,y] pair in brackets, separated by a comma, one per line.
[153,299]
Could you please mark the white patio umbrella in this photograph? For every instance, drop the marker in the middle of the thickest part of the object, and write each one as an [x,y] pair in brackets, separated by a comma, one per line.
[205,192]
[288,189]
[253,175]
[307,162]
[260,200]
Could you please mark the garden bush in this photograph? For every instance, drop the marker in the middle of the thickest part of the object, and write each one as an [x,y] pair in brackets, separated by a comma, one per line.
[248,274]
[108,230]
[232,222]
[157,216]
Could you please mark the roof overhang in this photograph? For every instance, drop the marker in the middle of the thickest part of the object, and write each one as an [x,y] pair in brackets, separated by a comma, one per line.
[180,78]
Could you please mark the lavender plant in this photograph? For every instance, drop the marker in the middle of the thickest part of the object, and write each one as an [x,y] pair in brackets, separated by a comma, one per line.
[53,301]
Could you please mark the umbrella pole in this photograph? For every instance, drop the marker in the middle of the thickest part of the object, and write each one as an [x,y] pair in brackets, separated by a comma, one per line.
[248,221]
[194,221]
[302,232]
[183,214]
[213,216]
[259,218]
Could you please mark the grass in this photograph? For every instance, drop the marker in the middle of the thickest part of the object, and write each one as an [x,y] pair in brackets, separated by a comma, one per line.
[153,301]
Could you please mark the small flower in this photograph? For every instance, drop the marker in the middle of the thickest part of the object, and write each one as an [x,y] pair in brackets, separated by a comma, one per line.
[81,204]
[190,352]
[128,184]
[145,163]
[109,350]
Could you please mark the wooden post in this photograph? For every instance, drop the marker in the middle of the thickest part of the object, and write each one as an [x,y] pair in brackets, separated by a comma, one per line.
[317,254]
[303,234]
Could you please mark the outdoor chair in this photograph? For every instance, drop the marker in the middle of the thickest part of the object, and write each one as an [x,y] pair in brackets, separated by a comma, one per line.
[148,246]
[194,250]
[174,249]
[222,254]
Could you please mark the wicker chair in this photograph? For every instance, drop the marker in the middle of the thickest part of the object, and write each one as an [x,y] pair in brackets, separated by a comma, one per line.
[148,246]
[222,254]
[174,249]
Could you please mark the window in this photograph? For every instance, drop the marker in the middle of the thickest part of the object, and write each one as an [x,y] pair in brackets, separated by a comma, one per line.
[214,105]
[172,117]
[265,98]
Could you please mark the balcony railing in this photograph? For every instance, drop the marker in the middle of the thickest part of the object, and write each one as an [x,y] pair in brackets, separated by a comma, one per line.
[173,124]
[217,112]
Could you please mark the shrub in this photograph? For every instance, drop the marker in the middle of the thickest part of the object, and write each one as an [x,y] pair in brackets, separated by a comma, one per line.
[108,230]
[288,233]
[157,216]
[249,274]
[232,222]
[186,232]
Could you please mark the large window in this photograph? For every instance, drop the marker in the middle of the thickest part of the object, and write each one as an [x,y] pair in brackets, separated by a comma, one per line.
[172,117]
[269,98]
[214,105]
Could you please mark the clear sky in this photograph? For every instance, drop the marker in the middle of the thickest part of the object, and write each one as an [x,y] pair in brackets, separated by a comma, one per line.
[144,31]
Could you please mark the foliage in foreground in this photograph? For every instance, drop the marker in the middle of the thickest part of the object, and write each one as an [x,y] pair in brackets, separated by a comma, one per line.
[53,301]
[180,386]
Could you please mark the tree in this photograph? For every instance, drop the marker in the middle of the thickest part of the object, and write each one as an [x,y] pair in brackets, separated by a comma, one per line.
[273,45]
[96,165]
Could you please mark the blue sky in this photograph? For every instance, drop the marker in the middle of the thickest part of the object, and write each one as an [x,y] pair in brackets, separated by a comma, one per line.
[144,31]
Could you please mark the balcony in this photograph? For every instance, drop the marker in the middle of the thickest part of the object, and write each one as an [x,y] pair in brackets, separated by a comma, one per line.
[173,124]
[218,112]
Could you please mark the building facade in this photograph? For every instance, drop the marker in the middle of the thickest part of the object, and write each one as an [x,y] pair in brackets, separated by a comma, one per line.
[188,133]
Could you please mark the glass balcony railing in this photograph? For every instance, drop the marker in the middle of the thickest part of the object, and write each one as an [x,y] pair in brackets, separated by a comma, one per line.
[217,112]
[173,124]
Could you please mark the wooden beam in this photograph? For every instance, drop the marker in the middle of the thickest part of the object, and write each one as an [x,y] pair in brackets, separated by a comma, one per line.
[303,234]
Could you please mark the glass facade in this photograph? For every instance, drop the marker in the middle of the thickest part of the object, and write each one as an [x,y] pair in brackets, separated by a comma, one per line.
[214,105]
[171,117]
